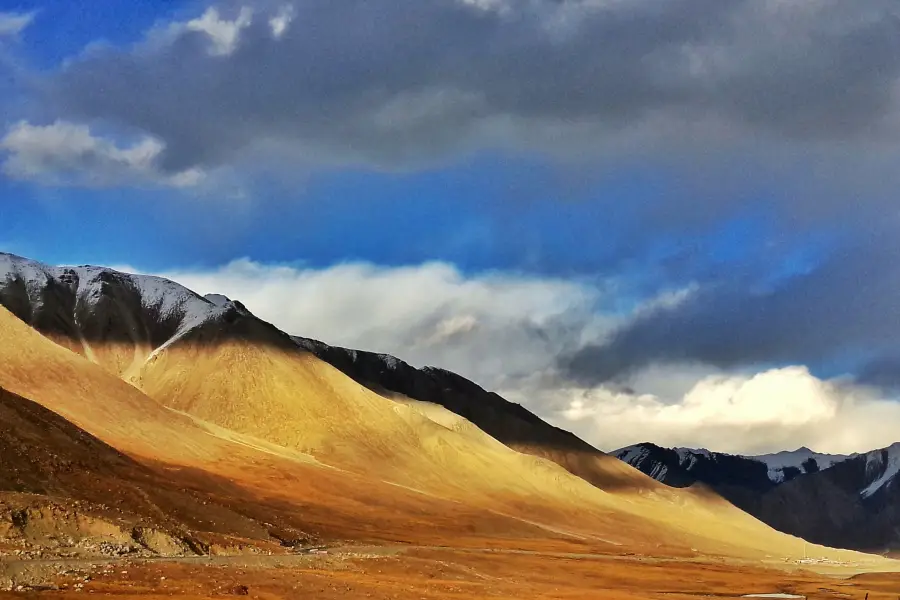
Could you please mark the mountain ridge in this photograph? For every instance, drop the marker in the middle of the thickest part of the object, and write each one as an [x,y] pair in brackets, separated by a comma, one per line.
[855,494]
[510,423]
[123,322]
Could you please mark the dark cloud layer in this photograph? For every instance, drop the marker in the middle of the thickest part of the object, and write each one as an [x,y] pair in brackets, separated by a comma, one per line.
[845,307]
[393,82]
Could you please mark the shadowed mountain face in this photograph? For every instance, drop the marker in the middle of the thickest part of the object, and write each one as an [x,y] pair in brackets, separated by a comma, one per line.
[849,501]
[855,502]
[737,479]
[119,320]
[45,454]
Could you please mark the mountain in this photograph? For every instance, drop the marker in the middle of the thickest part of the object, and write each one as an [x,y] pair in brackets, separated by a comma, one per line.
[123,322]
[234,435]
[681,467]
[855,496]
[857,502]
[786,465]
[510,423]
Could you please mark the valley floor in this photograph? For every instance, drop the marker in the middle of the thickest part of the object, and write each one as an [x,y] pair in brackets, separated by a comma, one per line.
[432,573]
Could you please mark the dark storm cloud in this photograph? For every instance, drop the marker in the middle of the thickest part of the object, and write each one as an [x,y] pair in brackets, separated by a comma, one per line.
[401,81]
[847,305]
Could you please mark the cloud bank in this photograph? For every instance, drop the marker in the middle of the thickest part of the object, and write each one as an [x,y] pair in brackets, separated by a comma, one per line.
[773,410]
[493,327]
[71,154]
[389,83]
[506,331]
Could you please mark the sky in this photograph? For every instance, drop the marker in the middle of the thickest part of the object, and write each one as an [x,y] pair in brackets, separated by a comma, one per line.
[671,222]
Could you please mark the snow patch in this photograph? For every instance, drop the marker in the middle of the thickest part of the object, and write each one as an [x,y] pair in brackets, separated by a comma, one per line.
[633,455]
[217,299]
[391,362]
[688,457]
[778,462]
[168,299]
[659,471]
[887,461]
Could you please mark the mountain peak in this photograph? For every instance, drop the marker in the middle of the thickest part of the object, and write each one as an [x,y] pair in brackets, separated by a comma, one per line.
[86,305]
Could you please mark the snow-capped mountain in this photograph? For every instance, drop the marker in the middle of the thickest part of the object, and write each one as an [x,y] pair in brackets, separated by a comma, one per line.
[857,496]
[680,467]
[784,466]
[122,321]
[88,303]
[115,319]
[882,467]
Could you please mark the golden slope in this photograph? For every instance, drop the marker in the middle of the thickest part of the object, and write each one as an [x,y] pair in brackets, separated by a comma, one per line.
[293,399]
[411,463]
[88,396]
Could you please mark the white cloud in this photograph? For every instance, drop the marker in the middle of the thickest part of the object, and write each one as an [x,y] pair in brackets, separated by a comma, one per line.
[773,410]
[280,22]
[224,35]
[493,327]
[69,153]
[506,332]
[12,24]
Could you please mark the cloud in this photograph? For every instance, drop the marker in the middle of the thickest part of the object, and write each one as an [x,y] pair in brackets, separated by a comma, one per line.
[772,410]
[68,153]
[505,331]
[12,24]
[493,328]
[402,83]
[842,309]
[223,35]
[281,21]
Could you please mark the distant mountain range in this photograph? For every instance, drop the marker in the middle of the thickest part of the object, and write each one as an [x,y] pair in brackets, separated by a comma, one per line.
[851,501]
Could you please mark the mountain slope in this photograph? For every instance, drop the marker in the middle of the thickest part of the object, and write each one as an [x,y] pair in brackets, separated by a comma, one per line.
[857,500]
[236,400]
[88,396]
[198,481]
[855,496]
[681,467]
[509,423]
[122,322]
[45,454]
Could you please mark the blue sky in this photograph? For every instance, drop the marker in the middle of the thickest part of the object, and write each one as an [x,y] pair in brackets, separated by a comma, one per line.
[640,153]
